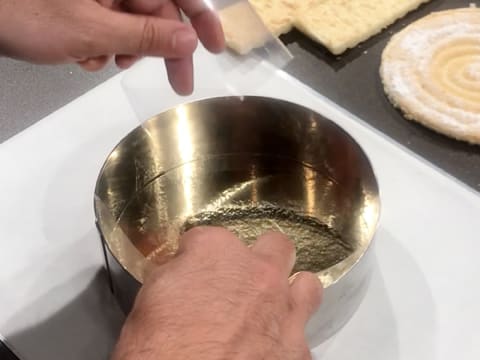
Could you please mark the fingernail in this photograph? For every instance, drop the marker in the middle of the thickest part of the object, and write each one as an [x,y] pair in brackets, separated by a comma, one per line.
[292,278]
[184,40]
[321,288]
[293,259]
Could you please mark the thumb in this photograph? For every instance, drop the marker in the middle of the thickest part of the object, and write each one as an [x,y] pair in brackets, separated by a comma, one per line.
[131,34]
[306,295]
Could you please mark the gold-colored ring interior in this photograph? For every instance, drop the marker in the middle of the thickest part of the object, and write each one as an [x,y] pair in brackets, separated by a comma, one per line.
[250,165]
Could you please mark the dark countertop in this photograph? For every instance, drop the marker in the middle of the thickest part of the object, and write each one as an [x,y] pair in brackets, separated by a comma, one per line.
[353,82]
[29,92]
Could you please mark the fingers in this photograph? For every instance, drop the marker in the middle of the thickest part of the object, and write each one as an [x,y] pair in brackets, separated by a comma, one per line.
[180,74]
[95,63]
[298,351]
[208,239]
[199,245]
[180,71]
[205,22]
[210,31]
[129,34]
[203,19]
[106,3]
[144,6]
[277,249]
[161,33]
[193,8]
[125,61]
[99,62]
[306,295]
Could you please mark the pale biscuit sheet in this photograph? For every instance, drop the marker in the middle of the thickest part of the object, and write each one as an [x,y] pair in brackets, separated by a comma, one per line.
[278,15]
[238,16]
[336,24]
[343,24]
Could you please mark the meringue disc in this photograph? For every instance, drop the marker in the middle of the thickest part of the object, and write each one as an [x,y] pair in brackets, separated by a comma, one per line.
[431,71]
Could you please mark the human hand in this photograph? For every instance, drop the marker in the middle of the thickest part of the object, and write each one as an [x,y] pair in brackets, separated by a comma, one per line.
[89,32]
[218,299]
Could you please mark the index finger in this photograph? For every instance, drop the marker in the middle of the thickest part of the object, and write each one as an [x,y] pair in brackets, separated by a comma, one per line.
[179,71]
[278,250]
[205,22]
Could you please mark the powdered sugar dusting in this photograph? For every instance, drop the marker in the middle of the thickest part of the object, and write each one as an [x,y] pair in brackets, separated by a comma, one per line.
[419,41]
[430,71]
[399,85]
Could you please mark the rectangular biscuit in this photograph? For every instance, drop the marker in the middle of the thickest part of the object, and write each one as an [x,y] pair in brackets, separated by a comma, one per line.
[343,24]
[243,32]
[277,15]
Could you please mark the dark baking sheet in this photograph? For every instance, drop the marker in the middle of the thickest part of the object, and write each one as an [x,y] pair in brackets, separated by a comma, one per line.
[352,81]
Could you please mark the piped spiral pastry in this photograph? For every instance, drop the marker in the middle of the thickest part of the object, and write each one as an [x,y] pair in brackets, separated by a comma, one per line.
[431,71]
